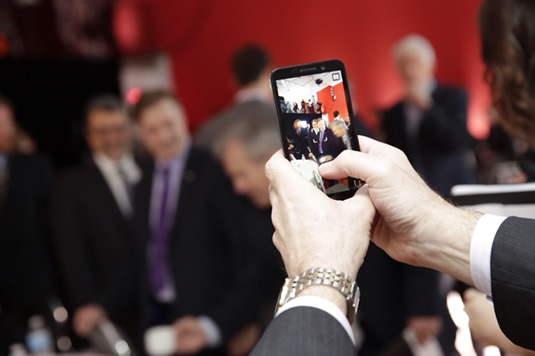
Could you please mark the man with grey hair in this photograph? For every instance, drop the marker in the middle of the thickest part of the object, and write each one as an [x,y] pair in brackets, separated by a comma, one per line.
[429,125]
[244,147]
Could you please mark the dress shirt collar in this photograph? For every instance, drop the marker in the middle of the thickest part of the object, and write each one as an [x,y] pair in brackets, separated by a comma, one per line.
[177,161]
[126,163]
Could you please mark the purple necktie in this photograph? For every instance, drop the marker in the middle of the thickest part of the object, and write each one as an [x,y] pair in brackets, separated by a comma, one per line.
[321,142]
[158,245]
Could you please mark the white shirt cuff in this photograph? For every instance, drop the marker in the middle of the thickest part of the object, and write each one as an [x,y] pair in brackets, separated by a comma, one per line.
[481,249]
[322,304]
[211,331]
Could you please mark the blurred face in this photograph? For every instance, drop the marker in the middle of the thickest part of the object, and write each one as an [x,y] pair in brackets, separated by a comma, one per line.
[108,133]
[338,131]
[7,129]
[247,175]
[162,129]
[321,125]
[415,69]
[315,125]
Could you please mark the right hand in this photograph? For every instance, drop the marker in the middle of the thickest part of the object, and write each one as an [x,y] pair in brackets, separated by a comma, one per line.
[87,317]
[414,224]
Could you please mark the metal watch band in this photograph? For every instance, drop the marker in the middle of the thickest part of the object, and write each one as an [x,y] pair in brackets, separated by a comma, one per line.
[325,277]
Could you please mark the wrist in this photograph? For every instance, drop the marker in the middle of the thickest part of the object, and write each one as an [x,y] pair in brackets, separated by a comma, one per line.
[446,246]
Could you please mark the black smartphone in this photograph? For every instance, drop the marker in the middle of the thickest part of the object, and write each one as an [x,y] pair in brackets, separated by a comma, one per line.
[316,120]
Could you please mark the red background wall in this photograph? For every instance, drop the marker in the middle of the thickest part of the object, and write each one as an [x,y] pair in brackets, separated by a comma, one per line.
[328,105]
[200,37]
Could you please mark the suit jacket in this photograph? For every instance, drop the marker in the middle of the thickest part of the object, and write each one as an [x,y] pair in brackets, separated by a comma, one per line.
[392,293]
[95,246]
[304,331]
[207,248]
[25,265]
[438,152]
[329,144]
[300,140]
[513,280]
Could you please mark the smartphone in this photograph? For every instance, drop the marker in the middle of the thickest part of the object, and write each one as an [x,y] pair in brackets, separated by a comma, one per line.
[316,120]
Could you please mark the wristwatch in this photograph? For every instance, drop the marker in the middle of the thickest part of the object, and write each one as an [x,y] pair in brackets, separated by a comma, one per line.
[321,276]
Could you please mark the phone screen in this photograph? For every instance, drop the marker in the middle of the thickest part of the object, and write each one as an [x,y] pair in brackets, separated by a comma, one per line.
[316,125]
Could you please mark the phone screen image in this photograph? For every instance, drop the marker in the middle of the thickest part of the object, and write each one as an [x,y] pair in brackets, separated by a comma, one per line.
[315,120]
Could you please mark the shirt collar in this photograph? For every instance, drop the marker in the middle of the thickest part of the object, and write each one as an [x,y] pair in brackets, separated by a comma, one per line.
[177,161]
[126,163]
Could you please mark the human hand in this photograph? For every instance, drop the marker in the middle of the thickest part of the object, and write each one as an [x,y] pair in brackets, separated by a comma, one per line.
[313,230]
[87,317]
[414,224]
[484,325]
[424,327]
[190,335]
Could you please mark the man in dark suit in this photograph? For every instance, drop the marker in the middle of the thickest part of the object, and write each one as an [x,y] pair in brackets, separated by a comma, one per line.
[25,267]
[493,253]
[93,240]
[195,277]
[321,143]
[429,124]
[244,149]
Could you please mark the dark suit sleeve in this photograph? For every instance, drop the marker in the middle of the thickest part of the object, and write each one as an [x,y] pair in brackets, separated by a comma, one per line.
[513,280]
[71,253]
[420,291]
[444,123]
[304,331]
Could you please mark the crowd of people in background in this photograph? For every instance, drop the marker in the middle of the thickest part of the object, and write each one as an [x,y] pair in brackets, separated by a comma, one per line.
[181,234]
[317,141]
[310,106]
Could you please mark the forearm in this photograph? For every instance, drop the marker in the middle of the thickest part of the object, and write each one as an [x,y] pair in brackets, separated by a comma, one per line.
[447,241]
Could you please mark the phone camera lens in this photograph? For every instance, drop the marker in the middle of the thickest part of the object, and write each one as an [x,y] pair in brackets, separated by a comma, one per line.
[322,67]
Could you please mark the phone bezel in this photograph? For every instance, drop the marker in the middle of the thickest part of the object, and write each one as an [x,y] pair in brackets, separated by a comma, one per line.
[310,69]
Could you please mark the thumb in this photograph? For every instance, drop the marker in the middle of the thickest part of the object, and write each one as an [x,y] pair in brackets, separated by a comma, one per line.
[362,203]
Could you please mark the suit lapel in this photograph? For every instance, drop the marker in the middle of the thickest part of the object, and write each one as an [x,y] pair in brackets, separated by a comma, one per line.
[103,189]
[142,201]
[187,191]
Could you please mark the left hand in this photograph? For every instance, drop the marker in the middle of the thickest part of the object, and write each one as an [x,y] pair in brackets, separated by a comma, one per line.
[483,324]
[313,230]
[243,342]
[190,335]
[424,327]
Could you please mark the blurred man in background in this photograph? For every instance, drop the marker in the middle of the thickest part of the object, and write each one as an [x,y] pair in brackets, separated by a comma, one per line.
[429,125]
[195,251]
[244,148]
[25,266]
[93,204]
[251,66]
